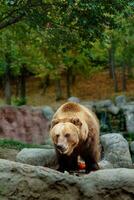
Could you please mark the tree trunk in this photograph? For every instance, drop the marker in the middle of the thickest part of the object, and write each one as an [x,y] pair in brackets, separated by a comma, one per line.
[8,80]
[109,63]
[58,89]
[112,64]
[129,70]
[46,83]
[69,81]
[123,76]
[17,87]
[23,84]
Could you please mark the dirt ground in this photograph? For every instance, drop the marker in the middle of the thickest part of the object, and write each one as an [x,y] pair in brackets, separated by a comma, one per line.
[94,87]
[8,154]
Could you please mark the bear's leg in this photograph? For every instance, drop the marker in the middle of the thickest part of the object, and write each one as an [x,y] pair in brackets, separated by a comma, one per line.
[90,161]
[67,163]
[73,162]
[62,161]
[91,165]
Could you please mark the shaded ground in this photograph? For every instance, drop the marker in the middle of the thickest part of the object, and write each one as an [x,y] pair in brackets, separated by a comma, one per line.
[97,86]
[7,153]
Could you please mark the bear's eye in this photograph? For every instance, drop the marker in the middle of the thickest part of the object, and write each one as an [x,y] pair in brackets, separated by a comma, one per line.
[67,135]
[57,135]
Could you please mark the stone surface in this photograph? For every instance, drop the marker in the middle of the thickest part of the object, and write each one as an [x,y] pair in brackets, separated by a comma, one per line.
[113,109]
[74,99]
[120,101]
[132,147]
[9,154]
[129,115]
[23,123]
[89,104]
[37,157]
[103,104]
[48,112]
[104,164]
[115,153]
[116,150]
[24,182]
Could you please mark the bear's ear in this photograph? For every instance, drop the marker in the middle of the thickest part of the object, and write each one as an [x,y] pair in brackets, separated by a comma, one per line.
[54,122]
[76,122]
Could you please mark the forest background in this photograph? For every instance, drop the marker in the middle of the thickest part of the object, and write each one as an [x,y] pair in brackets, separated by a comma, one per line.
[51,50]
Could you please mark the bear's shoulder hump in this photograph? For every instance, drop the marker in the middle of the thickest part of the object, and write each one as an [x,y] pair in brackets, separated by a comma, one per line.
[70,106]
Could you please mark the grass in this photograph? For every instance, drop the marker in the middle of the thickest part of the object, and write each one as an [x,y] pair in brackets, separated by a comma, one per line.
[14,144]
[129,137]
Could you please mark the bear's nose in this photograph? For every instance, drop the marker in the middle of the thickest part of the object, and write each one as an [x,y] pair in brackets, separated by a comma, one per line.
[60,147]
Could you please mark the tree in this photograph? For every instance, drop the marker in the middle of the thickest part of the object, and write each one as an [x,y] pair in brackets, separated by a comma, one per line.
[21,54]
[14,11]
[50,37]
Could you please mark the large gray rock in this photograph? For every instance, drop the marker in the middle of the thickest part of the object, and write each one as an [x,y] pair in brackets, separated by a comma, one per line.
[116,154]
[48,112]
[120,101]
[116,150]
[37,157]
[103,104]
[46,158]
[129,115]
[104,164]
[132,147]
[74,99]
[89,104]
[113,109]
[24,182]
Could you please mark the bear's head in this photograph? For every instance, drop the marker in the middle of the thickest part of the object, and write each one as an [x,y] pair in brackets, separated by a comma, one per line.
[65,134]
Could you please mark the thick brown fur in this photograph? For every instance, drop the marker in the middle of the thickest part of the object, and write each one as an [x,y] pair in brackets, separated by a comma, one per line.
[75,132]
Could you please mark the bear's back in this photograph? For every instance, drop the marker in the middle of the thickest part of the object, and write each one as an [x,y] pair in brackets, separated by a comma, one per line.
[72,110]
[71,107]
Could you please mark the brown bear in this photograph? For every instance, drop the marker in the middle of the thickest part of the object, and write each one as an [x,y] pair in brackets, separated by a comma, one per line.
[75,132]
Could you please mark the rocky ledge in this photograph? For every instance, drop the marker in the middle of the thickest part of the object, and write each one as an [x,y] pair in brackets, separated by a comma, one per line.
[26,182]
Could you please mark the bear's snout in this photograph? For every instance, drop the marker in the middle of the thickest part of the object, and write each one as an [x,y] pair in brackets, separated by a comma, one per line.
[60,147]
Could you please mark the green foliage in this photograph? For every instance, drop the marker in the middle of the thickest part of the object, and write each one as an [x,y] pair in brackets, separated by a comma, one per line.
[20,44]
[49,37]
[129,136]
[19,101]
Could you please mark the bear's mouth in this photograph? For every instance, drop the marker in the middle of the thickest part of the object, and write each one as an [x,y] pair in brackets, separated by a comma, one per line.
[61,149]
[64,151]
[67,151]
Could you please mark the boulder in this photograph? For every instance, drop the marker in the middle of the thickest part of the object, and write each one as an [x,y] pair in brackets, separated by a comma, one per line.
[104,164]
[103,104]
[37,157]
[113,109]
[115,153]
[132,147]
[48,112]
[74,99]
[116,150]
[89,104]
[128,110]
[25,182]
[120,101]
